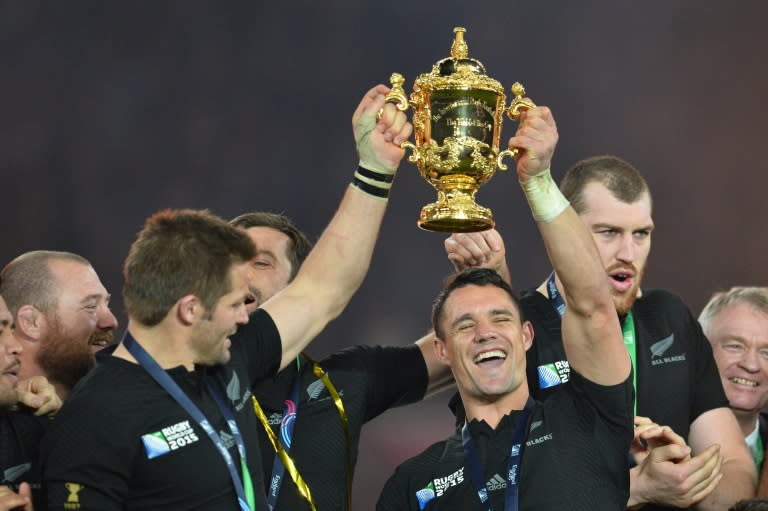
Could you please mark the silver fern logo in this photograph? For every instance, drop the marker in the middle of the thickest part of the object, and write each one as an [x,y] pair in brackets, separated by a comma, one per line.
[233,389]
[659,348]
[315,389]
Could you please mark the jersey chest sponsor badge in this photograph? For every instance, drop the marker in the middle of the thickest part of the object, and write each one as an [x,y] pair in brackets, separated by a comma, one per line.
[169,439]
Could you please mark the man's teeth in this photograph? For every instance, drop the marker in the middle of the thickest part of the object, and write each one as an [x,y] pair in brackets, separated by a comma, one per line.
[490,354]
[742,381]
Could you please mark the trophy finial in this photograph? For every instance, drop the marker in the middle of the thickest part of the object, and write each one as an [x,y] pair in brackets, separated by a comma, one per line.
[459,49]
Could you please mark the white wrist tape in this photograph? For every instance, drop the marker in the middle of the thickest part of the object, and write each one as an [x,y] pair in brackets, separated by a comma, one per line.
[544,197]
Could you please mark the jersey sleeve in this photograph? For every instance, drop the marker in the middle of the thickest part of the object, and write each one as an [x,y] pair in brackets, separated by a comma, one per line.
[393,375]
[259,342]
[708,392]
[613,403]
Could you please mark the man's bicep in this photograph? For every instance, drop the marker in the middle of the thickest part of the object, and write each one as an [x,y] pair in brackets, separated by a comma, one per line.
[595,349]
[718,426]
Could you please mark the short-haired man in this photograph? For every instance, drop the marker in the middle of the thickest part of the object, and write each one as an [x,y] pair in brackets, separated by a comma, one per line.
[319,433]
[676,379]
[567,453]
[167,422]
[62,315]
[20,433]
[736,323]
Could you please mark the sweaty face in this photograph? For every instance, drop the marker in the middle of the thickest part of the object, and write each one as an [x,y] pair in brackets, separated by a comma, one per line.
[271,268]
[9,358]
[210,336]
[739,337]
[484,343]
[622,233]
[80,324]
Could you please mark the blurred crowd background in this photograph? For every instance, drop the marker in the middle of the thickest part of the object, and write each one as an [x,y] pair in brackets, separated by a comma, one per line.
[110,111]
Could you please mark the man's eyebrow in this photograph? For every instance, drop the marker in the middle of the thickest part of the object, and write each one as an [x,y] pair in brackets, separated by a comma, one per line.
[96,296]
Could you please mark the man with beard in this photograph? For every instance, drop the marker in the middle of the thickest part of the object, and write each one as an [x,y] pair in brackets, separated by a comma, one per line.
[20,433]
[736,323]
[676,379]
[167,421]
[62,315]
[312,430]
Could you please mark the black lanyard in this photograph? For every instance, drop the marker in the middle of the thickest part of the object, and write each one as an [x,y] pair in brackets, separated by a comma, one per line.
[149,364]
[475,469]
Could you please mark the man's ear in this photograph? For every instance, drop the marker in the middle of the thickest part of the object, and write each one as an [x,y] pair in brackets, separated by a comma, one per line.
[189,309]
[440,351]
[527,334]
[29,321]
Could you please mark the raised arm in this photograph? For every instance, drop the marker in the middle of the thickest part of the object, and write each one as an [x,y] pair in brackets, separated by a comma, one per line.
[591,333]
[336,266]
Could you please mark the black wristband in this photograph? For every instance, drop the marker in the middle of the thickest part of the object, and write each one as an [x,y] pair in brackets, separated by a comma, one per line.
[376,176]
[370,189]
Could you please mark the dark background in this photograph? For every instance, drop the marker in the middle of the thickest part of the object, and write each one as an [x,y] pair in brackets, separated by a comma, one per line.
[110,111]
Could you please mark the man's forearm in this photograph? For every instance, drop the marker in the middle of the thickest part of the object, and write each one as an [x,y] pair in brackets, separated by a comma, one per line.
[331,274]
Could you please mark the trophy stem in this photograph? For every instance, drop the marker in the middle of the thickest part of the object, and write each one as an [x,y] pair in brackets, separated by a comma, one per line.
[456,209]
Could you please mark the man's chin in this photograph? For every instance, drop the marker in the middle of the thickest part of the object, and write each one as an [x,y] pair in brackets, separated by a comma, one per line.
[625,302]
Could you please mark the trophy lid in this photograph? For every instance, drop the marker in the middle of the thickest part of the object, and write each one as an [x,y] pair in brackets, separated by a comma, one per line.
[459,59]
[459,71]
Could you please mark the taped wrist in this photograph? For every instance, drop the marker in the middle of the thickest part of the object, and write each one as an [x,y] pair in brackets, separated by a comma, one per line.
[373,182]
[544,197]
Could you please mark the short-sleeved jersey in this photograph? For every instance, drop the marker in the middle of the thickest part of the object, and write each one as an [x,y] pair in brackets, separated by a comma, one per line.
[369,381]
[674,358]
[574,459]
[122,442]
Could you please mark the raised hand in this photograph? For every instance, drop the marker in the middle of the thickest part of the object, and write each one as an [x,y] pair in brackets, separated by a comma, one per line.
[378,141]
[478,250]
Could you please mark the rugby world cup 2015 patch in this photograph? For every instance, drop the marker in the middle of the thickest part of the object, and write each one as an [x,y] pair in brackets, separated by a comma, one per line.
[553,374]
[169,439]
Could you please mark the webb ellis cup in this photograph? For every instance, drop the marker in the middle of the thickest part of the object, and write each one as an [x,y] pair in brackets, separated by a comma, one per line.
[457,117]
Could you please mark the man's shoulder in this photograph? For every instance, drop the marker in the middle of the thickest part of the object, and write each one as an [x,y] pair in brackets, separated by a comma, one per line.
[438,456]
[660,301]
[362,356]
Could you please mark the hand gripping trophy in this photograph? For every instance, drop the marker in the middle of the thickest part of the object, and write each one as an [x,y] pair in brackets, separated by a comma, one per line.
[458,113]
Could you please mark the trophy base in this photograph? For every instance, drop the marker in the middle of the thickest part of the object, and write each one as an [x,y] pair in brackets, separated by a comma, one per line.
[444,218]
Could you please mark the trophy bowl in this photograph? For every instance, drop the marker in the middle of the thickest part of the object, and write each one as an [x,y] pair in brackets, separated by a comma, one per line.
[457,119]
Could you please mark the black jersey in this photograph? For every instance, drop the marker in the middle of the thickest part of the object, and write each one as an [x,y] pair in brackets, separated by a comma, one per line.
[122,442]
[369,381]
[20,436]
[575,458]
[674,358]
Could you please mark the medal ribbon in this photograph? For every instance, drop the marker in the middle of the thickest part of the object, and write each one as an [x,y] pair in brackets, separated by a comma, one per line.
[245,495]
[627,329]
[281,454]
[475,469]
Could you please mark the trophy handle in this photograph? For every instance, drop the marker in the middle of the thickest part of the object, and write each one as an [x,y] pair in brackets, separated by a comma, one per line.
[396,95]
[518,105]
[415,154]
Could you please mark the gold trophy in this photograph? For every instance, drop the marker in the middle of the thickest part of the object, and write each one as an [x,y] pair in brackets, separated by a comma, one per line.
[458,113]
